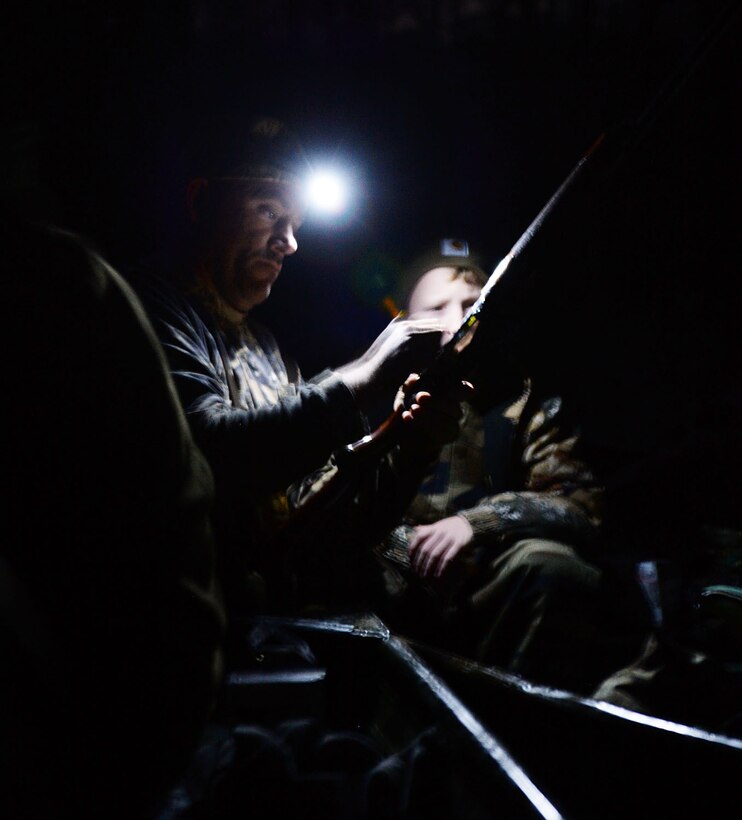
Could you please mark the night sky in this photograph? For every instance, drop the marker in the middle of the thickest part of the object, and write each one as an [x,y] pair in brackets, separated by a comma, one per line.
[456,118]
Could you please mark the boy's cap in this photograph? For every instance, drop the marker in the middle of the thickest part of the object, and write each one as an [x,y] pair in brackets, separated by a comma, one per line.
[444,253]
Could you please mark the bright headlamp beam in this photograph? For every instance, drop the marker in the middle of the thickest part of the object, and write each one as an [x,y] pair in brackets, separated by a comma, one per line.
[326,192]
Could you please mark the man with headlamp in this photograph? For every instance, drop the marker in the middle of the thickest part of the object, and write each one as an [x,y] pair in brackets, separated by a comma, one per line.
[260,425]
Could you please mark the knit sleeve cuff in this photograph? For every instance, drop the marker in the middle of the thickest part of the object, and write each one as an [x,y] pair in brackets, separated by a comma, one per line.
[483,521]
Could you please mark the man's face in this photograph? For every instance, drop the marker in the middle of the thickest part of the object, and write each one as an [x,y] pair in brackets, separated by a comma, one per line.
[252,229]
[446,292]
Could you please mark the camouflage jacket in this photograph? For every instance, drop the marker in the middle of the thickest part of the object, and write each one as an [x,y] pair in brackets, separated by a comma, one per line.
[544,487]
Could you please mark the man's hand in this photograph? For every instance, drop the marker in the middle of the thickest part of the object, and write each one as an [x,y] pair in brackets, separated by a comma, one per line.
[430,420]
[436,548]
[404,346]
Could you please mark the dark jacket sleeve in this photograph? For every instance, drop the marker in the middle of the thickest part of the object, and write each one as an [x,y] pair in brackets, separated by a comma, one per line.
[267,448]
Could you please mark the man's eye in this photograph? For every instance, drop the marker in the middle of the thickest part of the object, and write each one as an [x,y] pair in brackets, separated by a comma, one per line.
[268,212]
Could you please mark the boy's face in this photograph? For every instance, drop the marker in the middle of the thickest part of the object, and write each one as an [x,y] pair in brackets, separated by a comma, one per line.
[448,293]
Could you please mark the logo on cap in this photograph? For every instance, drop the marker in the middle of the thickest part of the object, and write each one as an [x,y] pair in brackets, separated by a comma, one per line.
[454,247]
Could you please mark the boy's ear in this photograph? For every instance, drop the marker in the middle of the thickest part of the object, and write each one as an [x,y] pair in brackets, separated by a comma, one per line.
[195,193]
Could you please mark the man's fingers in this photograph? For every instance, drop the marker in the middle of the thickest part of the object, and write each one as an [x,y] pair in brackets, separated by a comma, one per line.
[424,324]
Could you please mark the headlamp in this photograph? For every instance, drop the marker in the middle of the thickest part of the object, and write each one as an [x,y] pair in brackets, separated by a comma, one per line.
[327,192]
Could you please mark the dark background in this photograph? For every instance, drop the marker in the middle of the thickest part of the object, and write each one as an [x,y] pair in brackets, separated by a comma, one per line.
[457,118]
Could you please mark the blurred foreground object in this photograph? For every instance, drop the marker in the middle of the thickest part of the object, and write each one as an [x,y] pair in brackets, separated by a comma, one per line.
[111,626]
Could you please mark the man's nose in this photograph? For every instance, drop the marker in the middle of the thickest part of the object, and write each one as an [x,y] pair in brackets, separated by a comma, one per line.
[283,235]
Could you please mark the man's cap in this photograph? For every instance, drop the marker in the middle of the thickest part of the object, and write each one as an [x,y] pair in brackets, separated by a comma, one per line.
[253,147]
[443,253]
